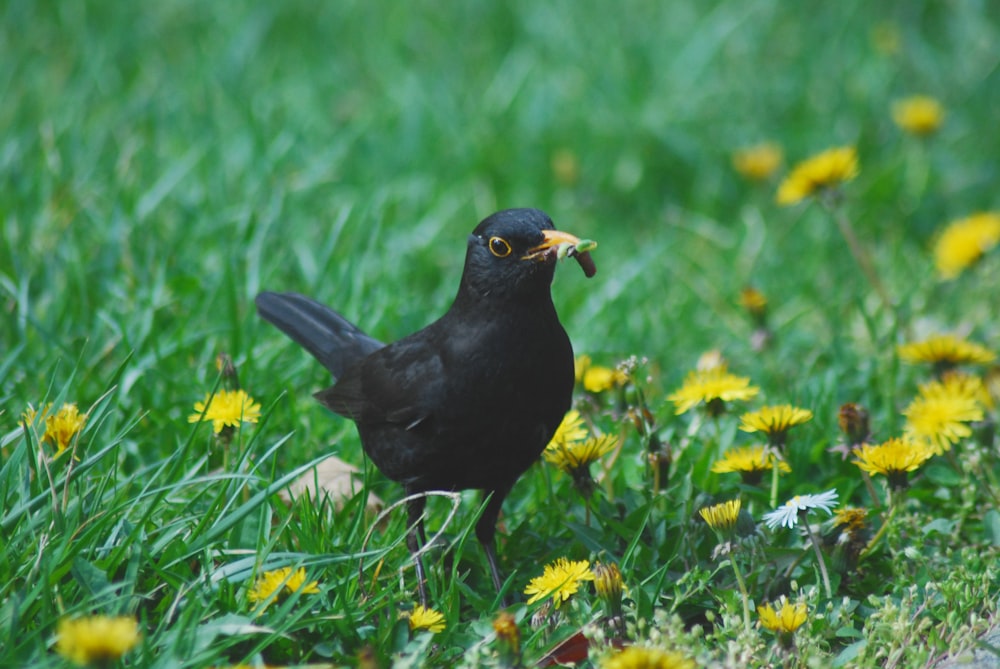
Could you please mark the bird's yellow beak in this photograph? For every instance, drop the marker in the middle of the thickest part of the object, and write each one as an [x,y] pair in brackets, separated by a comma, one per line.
[560,244]
[555,241]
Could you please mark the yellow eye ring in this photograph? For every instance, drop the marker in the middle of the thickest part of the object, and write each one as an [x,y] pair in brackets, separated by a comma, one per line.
[499,247]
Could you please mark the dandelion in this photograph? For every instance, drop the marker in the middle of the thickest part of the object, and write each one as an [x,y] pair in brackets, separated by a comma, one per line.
[750,462]
[893,459]
[853,421]
[850,518]
[610,588]
[967,385]
[787,515]
[754,301]
[713,387]
[96,639]
[640,657]
[508,639]
[722,517]
[560,580]
[783,619]
[918,115]
[758,162]
[227,408]
[598,379]
[572,457]
[570,430]
[425,619]
[849,535]
[818,174]
[755,304]
[60,427]
[940,415]
[272,585]
[963,242]
[775,421]
[945,352]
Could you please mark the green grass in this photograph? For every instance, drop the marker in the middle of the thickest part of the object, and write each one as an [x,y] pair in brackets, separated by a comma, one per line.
[162,163]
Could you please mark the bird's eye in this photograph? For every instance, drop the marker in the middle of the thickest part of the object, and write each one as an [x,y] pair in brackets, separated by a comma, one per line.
[499,247]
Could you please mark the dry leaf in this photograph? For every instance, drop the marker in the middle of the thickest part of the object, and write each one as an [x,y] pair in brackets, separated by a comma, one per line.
[335,479]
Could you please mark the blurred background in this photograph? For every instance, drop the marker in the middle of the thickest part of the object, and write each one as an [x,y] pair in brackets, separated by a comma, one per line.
[163,162]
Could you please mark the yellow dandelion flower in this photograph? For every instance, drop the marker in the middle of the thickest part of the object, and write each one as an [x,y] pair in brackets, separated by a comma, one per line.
[963,242]
[967,385]
[784,618]
[572,456]
[60,427]
[758,162]
[424,619]
[96,639]
[918,115]
[775,421]
[754,301]
[940,415]
[722,517]
[275,584]
[227,408]
[640,657]
[824,170]
[750,462]
[598,379]
[713,387]
[570,430]
[893,459]
[30,414]
[945,350]
[851,518]
[595,378]
[64,425]
[560,580]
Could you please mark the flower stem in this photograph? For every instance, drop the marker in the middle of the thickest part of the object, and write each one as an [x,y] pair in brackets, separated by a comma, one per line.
[743,593]
[881,531]
[814,540]
[774,482]
[860,255]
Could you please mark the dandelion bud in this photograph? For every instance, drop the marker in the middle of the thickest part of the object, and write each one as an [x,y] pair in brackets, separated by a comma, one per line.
[608,583]
[224,365]
[508,639]
[853,421]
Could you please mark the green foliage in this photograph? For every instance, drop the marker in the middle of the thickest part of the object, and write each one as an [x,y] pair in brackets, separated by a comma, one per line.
[163,162]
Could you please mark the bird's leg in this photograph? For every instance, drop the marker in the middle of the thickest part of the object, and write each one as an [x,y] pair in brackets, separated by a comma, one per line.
[415,538]
[486,529]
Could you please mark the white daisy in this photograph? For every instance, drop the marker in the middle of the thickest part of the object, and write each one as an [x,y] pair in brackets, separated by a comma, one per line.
[788,513]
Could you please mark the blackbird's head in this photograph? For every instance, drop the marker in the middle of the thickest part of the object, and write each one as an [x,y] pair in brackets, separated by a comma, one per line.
[514,252]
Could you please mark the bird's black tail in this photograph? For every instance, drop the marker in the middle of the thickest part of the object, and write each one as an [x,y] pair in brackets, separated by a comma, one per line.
[328,336]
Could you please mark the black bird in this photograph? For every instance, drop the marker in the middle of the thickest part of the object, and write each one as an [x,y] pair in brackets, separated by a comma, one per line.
[471,400]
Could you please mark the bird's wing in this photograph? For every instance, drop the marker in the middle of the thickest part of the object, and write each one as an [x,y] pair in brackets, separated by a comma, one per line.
[398,384]
[331,338]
